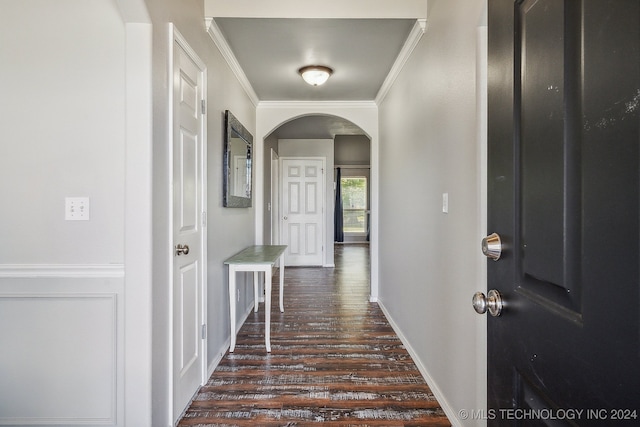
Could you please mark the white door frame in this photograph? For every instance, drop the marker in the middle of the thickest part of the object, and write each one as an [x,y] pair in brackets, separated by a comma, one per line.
[275,198]
[176,38]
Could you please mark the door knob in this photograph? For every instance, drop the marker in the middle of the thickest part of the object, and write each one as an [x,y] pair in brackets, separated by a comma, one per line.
[182,250]
[492,303]
[492,246]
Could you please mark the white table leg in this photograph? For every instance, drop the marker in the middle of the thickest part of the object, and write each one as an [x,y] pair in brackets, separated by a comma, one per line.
[267,309]
[282,283]
[256,285]
[232,306]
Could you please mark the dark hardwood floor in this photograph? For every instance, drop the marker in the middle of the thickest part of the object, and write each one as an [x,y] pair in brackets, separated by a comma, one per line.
[335,360]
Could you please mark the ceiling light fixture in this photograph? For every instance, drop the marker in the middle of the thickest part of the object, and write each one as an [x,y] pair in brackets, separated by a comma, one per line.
[315,75]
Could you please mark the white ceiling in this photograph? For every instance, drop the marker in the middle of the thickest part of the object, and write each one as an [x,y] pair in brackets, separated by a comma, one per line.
[360,40]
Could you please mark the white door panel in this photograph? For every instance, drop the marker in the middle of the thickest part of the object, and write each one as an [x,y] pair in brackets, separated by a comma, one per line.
[187,213]
[188,298]
[311,239]
[302,210]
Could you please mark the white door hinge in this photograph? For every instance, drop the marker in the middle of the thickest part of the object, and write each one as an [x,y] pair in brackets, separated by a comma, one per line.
[204,218]
[204,331]
[203,104]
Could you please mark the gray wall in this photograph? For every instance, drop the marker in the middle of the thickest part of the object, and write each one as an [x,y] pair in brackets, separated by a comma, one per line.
[352,150]
[429,260]
[63,133]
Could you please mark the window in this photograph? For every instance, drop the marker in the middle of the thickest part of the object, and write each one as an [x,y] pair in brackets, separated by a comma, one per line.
[354,204]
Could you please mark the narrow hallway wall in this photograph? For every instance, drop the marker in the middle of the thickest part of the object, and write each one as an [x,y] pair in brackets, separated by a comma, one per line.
[429,259]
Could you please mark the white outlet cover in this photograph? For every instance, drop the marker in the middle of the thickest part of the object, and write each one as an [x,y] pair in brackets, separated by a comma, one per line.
[445,202]
[76,209]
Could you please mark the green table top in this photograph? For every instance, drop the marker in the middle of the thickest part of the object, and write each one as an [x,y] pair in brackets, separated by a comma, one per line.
[260,254]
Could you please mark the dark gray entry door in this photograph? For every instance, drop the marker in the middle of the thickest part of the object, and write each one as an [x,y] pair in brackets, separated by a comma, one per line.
[563,194]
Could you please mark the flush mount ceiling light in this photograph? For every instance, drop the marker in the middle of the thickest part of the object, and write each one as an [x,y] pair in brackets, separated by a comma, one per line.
[315,75]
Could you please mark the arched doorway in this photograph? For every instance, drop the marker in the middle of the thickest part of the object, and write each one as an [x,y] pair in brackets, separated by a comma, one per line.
[316,121]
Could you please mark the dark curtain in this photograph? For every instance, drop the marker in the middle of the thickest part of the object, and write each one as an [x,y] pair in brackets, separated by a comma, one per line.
[338,233]
[368,222]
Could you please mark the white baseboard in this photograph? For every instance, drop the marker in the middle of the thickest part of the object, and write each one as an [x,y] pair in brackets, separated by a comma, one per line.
[446,407]
[216,361]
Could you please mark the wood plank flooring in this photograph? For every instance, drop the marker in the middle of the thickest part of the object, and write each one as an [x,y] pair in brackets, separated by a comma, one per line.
[335,360]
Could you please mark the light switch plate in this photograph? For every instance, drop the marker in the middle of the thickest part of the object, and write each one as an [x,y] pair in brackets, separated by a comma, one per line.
[76,209]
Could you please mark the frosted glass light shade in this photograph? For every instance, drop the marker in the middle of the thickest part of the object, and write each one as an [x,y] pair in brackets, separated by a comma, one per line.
[315,75]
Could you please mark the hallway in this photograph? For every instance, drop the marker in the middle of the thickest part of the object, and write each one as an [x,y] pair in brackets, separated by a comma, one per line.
[335,360]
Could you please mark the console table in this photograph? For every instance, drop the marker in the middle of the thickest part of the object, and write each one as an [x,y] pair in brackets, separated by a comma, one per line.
[258,259]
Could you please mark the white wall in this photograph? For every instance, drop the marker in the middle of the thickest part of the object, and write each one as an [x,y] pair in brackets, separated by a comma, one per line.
[62,291]
[430,261]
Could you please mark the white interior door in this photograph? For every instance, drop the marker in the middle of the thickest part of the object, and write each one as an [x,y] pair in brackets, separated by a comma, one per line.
[188,225]
[303,210]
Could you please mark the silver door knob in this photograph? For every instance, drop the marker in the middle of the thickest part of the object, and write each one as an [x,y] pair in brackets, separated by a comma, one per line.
[492,303]
[492,246]
[182,250]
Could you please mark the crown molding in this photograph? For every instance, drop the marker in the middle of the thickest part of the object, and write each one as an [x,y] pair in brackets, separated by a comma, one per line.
[410,44]
[216,35]
[330,9]
[316,105]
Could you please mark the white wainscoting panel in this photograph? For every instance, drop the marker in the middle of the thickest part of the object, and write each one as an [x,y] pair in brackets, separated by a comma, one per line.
[59,365]
[61,347]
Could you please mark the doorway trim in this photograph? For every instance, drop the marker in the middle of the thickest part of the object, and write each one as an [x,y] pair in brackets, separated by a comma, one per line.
[275,198]
[138,396]
[481,110]
[271,115]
